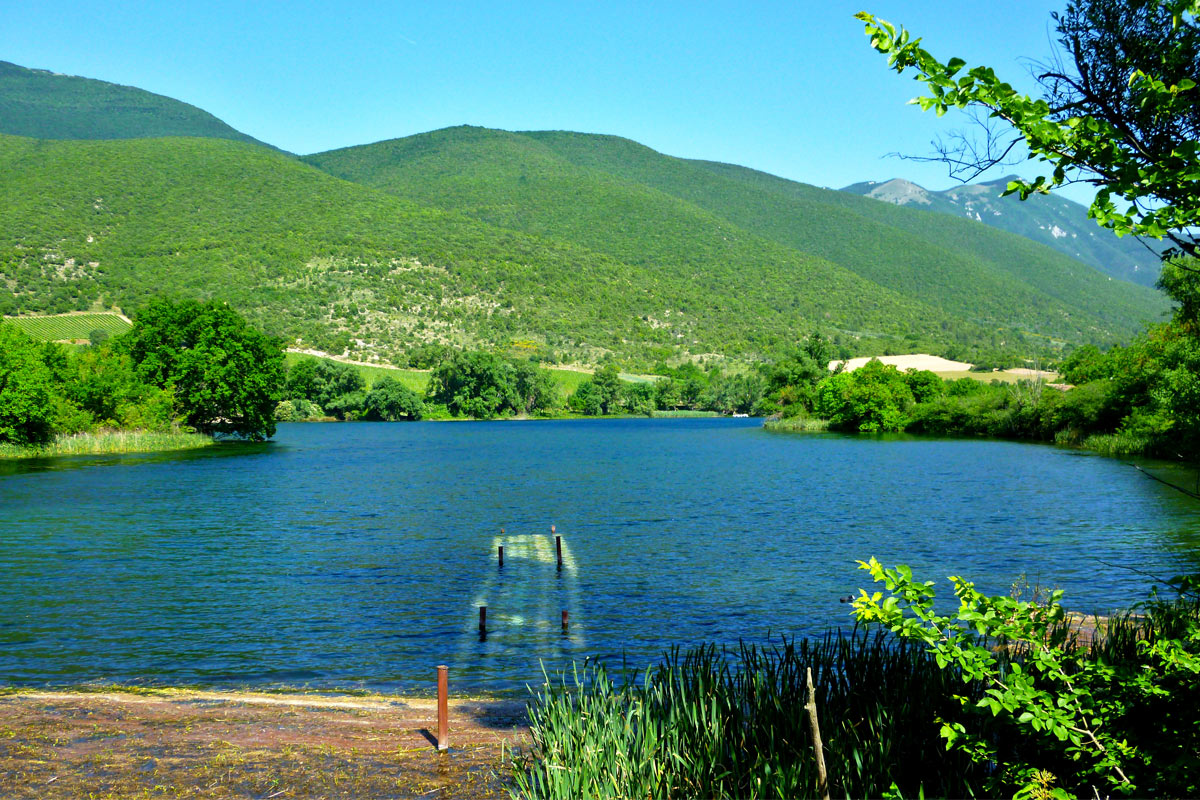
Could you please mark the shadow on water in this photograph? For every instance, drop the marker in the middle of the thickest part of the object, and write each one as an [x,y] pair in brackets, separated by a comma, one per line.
[58,463]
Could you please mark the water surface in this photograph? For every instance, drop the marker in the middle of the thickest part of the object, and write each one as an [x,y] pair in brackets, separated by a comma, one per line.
[357,554]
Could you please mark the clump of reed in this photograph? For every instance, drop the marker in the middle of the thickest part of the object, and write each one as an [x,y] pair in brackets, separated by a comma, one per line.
[108,442]
[799,423]
[716,722]
[1117,444]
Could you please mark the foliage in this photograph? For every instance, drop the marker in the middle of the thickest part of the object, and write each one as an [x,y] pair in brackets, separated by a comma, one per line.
[26,405]
[226,376]
[1116,717]
[322,382]
[484,385]
[389,401]
[872,399]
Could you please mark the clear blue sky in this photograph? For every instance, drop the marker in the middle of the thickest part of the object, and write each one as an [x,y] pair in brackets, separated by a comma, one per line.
[791,88]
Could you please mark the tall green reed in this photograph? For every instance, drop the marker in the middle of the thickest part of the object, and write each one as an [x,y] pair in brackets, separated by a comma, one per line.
[718,722]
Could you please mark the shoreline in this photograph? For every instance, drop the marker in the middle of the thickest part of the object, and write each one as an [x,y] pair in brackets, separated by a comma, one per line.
[132,741]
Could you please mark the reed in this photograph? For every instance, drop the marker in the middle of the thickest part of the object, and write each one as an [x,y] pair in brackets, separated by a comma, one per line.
[797,424]
[108,442]
[716,722]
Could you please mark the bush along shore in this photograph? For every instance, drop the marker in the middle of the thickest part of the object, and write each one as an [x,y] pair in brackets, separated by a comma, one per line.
[1008,697]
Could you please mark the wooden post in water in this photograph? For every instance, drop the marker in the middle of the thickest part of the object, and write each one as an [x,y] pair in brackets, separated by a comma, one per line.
[501,556]
[443,737]
[483,620]
[815,729]
[557,545]
[564,620]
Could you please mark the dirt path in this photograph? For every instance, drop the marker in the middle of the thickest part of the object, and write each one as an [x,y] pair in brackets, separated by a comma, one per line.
[193,744]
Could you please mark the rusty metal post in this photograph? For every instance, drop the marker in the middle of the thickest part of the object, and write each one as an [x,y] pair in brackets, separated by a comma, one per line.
[443,736]
[564,620]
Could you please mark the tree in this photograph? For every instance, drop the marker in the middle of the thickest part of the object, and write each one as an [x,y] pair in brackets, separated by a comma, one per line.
[227,376]
[476,384]
[26,389]
[1120,112]
[871,399]
[389,401]
[607,381]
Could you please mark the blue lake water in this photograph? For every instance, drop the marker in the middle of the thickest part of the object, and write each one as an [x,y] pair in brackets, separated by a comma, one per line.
[355,555]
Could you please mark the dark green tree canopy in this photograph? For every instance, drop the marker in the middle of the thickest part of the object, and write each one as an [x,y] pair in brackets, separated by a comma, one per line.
[26,395]
[389,401]
[227,376]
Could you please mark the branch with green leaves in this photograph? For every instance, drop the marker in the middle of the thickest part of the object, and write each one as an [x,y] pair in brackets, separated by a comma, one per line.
[1020,655]
[1159,180]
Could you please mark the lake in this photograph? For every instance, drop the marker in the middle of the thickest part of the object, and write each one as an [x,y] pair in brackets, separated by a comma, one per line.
[356,555]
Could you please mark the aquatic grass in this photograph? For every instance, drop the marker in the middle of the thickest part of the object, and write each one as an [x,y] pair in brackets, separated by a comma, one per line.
[1117,444]
[108,442]
[793,424]
[718,722]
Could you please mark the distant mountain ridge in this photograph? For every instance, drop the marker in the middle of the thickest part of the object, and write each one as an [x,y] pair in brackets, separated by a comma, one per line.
[46,105]
[621,198]
[1047,219]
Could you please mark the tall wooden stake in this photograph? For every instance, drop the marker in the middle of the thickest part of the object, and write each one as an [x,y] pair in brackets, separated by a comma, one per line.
[443,708]
[811,708]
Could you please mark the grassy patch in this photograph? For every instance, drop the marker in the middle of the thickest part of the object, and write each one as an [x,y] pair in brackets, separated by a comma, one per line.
[108,442]
[414,379]
[1117,444]
[61,327]
[805,424]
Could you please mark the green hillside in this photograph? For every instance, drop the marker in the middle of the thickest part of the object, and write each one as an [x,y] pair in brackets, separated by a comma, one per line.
[710,223]
[345,268]
[45,105]
[961,266]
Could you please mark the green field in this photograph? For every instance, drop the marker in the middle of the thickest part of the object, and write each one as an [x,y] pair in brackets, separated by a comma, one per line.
[414,379]
[63,327]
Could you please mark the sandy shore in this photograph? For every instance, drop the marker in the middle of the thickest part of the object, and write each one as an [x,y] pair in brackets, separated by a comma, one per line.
[182,743]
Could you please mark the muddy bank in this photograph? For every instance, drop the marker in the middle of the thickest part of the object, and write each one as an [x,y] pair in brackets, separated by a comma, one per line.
[178,743]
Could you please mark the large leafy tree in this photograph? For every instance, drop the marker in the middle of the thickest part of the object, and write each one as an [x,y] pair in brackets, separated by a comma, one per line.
[227,376]
[26,389]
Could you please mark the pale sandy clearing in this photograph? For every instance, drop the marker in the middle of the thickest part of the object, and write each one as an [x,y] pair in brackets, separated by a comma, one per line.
[907,362]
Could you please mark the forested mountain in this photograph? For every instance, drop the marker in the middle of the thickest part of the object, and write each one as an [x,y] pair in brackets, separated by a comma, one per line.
[345,266]
[702,219]
[1047,219]
[46,105]
[560,245]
